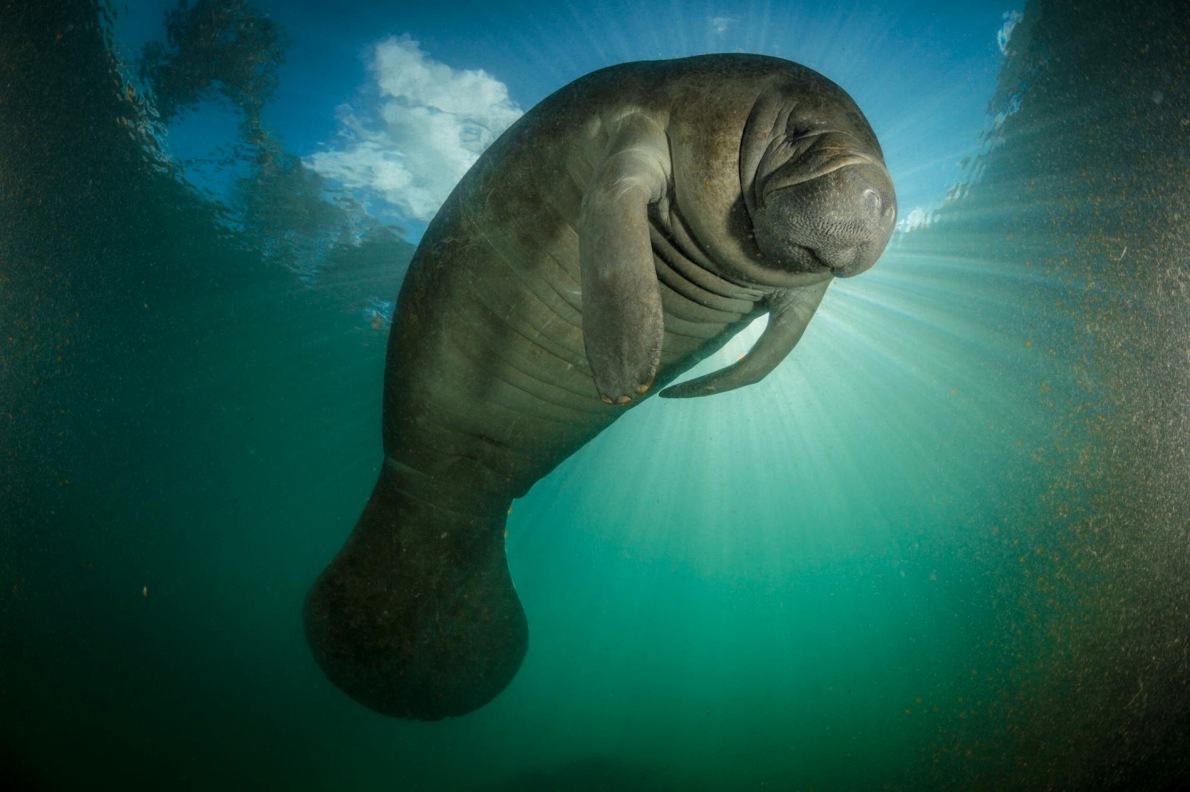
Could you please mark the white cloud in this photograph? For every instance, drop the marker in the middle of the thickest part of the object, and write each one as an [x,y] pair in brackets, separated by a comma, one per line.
[430,124]
[918,218]
[722,24]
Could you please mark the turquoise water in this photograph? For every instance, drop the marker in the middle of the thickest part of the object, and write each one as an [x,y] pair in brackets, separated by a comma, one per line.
[941,547]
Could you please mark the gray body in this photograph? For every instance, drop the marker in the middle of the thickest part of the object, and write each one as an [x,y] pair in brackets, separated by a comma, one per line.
[620,232]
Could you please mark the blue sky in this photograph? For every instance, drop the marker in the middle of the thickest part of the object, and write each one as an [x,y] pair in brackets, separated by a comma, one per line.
[922,72]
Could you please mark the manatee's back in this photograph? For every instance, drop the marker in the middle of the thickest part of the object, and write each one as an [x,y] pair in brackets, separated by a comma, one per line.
[487,376]
[486,389]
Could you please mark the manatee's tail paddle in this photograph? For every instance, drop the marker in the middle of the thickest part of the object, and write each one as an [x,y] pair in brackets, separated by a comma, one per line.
[417,616]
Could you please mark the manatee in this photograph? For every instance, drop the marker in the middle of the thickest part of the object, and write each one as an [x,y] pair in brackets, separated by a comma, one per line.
[617,234]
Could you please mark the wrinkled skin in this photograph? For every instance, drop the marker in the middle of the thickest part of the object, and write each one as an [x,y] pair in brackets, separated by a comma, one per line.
[620,232]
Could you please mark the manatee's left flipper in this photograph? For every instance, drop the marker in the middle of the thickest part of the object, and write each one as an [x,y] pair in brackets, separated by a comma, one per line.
[622,316]
[790,310]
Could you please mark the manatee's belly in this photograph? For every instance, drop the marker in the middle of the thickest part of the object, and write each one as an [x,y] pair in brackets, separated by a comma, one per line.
[488,378]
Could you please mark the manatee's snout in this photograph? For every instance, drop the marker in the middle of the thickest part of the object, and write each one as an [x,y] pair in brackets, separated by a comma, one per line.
[839,221]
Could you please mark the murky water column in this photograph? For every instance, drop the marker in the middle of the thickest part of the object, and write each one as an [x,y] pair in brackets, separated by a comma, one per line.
[1085,195]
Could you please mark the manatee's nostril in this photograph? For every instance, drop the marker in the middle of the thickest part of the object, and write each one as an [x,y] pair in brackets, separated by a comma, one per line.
[873,200]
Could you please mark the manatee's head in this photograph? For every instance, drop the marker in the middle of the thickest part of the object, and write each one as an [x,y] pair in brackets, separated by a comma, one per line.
[818,194]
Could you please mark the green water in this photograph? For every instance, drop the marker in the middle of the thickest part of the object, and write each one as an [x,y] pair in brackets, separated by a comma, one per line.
[942,547]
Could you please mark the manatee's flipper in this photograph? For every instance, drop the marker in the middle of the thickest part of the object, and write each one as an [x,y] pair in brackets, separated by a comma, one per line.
[790,310]
[622,316]
[417,617]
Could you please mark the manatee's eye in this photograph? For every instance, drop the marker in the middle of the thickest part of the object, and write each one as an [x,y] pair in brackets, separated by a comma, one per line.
[801,137]
[798,130]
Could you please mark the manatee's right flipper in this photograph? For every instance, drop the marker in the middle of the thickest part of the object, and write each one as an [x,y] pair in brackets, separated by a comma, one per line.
[790,311]
[622,315]
[417,616]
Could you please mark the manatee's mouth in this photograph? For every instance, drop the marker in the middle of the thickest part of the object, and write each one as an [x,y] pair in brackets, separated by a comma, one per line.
[799,258]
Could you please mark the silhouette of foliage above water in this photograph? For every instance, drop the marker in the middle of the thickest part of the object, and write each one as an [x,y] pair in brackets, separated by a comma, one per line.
[219,47]
[225,50]
[280,206]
